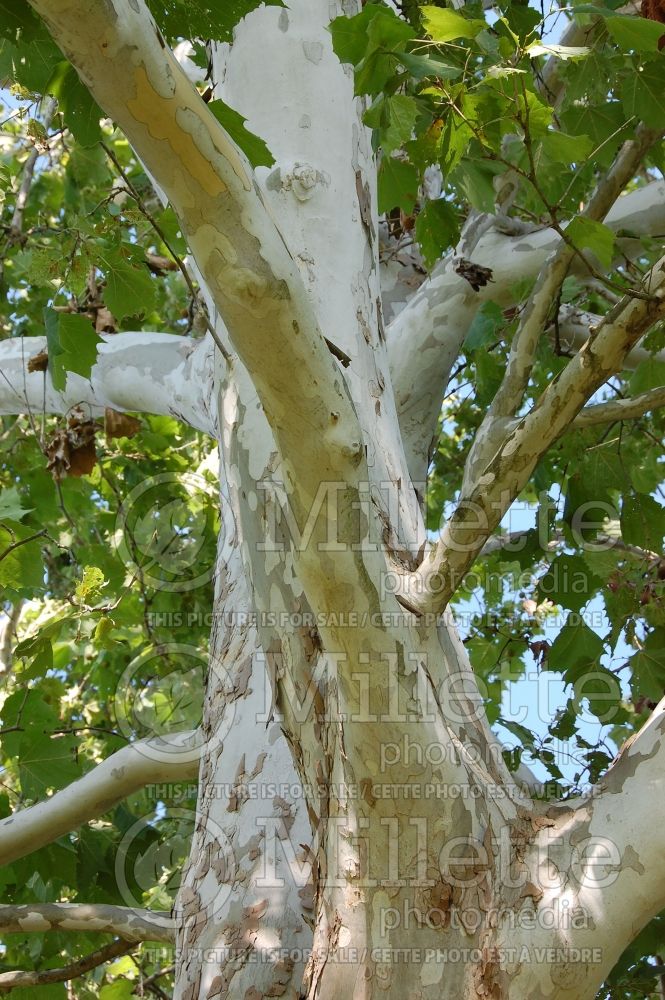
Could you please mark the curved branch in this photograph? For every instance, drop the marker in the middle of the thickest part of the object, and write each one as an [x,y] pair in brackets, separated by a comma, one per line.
[126,922]
[148,372]
[621,409]
[426,337]
[524,441]
[601,856]
[155,760]
[41,977]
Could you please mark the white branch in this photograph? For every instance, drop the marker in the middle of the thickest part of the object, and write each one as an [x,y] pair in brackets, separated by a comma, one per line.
[124,922]
[621,409]
[426,337]
[252,277]
[147,372]
[173,758]
[507,470]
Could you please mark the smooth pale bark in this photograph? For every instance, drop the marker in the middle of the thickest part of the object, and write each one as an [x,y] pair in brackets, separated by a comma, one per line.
[342,884]
[425,337]
[173,758]
[150,372]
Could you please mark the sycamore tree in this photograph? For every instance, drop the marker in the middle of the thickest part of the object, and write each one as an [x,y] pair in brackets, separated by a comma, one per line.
[331,364]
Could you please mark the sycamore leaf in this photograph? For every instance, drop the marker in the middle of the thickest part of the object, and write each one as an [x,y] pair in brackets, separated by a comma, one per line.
[11,505]
[90,583]
[643,92]
[635,33]
[589,235]
[129,291]
[398,185]
[563,148]
[80,111]
[437,229]
[443,25]
[254,148]
[72,345]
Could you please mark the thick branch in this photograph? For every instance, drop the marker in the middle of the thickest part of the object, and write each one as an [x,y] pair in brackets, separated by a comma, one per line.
[621,409]
[174,758]
[41,977]
[524,441]
[124,922]
[603,856]
[425,338]
[148,372]
[255,283]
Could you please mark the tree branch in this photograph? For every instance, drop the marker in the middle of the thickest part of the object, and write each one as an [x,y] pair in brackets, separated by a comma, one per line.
[425,338]
[7,633]
[524,441]
[575,325]
[255,283]
[174,758]
[149,372]
[125,922]
[41,977]
[621,409]
[534,317]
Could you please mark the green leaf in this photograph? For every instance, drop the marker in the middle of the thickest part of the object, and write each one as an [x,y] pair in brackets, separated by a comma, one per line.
[398,185]
[649,374]
[643,522]
[421,66]
[568,582]
[485,327]
[375,27]
[254,148]
[203,18]
[11,505]
[72,345]
[21,567]
[80,111]
[443,25]
[563,148]
[576,650]
[437,229]
[403,112]
[90,583]
[122,989]
[648,666]
[643,92]
[589,235]
[129,291]
[45,761]
[635,33]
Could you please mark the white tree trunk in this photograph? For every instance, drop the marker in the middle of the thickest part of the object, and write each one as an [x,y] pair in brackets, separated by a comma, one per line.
[358,833]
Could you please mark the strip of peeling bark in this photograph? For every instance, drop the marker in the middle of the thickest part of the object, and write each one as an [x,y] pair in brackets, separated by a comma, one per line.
[155,760]
[426,336]
[150,372]
[621,409]
[41,977]
[128,923]
[521,442]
